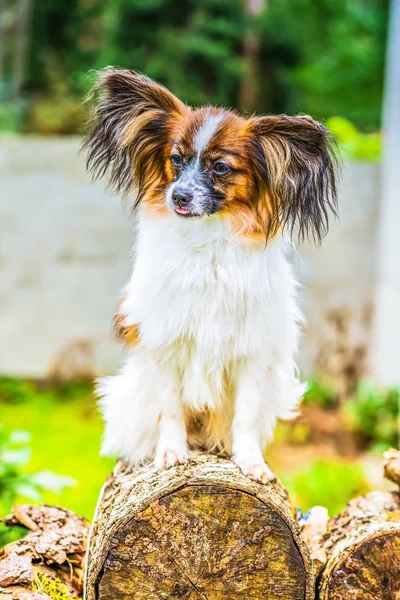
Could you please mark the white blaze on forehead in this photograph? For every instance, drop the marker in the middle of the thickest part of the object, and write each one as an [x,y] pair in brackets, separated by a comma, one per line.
[206,131]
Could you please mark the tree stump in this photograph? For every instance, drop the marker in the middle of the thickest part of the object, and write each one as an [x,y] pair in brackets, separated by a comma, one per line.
[362,547]
[199,531]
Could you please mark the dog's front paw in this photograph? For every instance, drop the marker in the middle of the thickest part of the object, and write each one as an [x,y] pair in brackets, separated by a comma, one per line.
[165,459]
[258,471]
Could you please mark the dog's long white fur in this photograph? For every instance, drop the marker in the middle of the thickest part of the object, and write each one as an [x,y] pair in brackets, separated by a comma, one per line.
[219,326]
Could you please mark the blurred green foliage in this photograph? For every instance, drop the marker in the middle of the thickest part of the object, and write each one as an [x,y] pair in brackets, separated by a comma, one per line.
[373,414]
[326,483]
[353,143]
[321,393]
[341,46]
[16,482]
[65,432]
[324,58]
[11,116]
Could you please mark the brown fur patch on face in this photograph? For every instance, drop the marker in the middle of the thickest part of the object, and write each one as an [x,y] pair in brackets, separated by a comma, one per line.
[246,204]
[283,175]
[179,140]
[184,132]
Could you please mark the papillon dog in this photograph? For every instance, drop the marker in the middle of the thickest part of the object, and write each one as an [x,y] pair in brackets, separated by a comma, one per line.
[209,316]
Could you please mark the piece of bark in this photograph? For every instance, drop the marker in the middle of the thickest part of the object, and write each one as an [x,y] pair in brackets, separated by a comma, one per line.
[391,465]
[197,531]
[363,550]
[55,545]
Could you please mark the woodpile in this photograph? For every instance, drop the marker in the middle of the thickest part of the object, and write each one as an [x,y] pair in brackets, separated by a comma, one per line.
[357,553]
[204,531]
[362,546]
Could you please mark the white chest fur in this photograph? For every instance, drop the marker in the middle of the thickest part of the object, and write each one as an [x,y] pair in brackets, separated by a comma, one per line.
[205,302]
[218,332]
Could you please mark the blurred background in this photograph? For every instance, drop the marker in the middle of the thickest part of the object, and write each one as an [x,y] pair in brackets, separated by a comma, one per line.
[65,243]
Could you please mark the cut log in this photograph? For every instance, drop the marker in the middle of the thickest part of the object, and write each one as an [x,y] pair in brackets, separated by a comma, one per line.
[363,550]
[197,531]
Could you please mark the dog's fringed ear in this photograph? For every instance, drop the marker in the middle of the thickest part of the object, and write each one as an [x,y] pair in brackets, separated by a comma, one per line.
[295,158]
[129,123]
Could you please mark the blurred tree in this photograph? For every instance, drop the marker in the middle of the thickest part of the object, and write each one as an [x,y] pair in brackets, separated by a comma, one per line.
[251,52]
[2,37]
[14,28]
[20,45]
[192,46]
[340,48]
[325,58]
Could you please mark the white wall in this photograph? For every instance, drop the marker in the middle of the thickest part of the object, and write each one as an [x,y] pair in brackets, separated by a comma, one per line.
[339,280]
[64,255]
[385,346]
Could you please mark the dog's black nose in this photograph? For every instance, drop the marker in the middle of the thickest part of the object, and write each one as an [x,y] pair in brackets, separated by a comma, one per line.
[182,197]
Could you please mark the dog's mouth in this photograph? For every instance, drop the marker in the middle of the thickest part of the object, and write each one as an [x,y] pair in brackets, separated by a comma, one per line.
[185,212]
[190,210]
[182,211]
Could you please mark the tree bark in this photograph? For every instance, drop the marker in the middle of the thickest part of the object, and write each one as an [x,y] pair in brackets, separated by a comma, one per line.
[251,49]
[2,40]
[198,531]
[362,547]
[20,45]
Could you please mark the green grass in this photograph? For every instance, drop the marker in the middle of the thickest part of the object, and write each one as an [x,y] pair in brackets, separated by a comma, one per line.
[65,430]
[326,483]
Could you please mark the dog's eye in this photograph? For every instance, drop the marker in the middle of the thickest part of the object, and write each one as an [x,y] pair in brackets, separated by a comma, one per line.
[221,168]
[176,160]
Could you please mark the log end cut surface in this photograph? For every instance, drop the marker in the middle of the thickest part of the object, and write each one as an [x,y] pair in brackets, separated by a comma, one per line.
[204,542]
[371,571]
